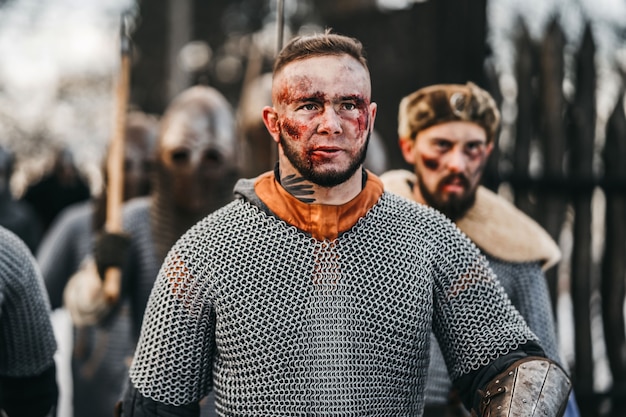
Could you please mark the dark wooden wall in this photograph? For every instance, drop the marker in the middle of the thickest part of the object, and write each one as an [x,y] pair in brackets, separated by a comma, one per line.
[564,194]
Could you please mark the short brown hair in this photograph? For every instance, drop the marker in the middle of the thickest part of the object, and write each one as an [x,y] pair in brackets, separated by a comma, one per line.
[320,44]
[443,103]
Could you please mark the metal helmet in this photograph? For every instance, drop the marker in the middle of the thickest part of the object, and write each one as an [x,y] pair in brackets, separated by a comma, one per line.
[196,165]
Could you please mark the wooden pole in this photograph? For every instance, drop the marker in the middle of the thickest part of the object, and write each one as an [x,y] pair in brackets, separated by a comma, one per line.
[613,263]
[280,30]
[115,162]
[280,25]
[584,283]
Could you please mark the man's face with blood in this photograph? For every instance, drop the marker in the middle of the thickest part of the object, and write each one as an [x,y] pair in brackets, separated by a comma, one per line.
[197,151]
[323,117]
[449,159]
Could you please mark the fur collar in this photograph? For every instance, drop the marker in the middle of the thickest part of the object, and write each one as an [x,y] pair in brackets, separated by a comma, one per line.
[495,225]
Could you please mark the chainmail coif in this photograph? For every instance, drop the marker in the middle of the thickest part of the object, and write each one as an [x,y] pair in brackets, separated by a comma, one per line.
[27,342]
[283,324]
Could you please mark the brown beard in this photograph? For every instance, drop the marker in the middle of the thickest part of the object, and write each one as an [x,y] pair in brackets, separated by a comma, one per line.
[455,207]
[323,179]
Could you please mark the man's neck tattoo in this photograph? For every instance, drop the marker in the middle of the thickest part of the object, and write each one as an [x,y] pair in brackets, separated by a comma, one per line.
[297,187]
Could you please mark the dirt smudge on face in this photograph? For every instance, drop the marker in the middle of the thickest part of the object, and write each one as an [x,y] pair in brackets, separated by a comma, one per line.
[430,163]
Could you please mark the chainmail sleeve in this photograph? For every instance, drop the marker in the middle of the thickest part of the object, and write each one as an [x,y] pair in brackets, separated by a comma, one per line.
[438,384]
[186,318]
[279,323]
[474,320]
[526,285]
[27,342]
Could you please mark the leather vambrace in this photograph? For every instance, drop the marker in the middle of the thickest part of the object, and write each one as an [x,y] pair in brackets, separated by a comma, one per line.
[533,386]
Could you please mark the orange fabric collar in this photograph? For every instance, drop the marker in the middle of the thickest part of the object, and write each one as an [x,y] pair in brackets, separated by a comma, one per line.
[320,220]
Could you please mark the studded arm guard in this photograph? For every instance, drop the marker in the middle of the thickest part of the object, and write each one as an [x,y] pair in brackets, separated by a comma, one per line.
[533,386]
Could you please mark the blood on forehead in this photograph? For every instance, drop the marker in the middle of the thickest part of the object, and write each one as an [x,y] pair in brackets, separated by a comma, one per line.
[296,90]
[293,87]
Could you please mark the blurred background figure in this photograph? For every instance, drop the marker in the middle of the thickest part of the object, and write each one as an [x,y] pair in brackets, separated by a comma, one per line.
[376,158]
[100,349]
[28,384]
[258,150]
[196,165]
[194,174]
[61,186]
[15,215]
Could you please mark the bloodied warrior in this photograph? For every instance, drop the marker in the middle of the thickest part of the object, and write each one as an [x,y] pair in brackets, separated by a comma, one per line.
[315,292]
[194,173]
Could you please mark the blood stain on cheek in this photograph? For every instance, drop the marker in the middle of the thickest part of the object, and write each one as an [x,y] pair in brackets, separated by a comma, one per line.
[363,118]
[362,121]
[292,129]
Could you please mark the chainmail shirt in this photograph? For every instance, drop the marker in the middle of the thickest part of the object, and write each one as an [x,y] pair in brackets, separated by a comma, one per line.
[526,285]
[279,323]
[27,342]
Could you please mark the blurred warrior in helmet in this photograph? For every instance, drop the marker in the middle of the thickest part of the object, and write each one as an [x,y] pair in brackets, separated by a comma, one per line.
[100,349]
[195,170]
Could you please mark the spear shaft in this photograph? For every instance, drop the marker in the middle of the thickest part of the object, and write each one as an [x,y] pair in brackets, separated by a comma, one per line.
[115,161]
[280,24]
